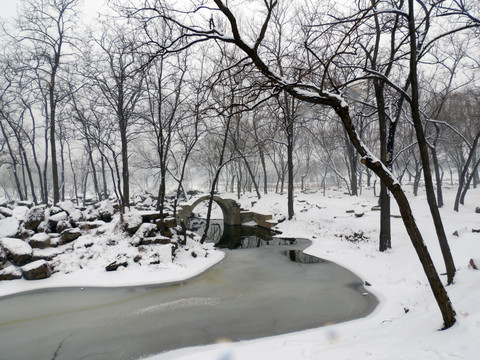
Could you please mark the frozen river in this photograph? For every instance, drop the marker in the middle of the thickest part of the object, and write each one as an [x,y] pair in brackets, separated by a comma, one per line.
[252,293]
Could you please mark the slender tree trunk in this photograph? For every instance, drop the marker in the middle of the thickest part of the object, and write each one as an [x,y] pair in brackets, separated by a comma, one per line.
[427,174]
[463,173]
[14,162]
[385,232]
[469,180]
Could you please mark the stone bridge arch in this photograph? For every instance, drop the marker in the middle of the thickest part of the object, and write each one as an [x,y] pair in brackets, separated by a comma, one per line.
[230,209]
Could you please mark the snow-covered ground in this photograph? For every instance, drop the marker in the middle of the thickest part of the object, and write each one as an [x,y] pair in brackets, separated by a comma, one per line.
[406,323]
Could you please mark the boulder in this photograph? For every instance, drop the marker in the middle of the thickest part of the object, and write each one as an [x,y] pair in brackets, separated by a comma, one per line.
[115,265]
[67,206]
[63,225]
[164,225]
[40,241]
[10,273]
[19,212]
[90,225]
[149,216]
[9,227]
[105,210]
[17,251]
[131,223]
[155,240]
[26,203]
[146,230]
[36,270]
[34,217]
[77,216]
[5,211]
[70,235]
[55,210]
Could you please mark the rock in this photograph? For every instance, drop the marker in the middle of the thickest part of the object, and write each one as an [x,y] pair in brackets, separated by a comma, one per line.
[461,231]
[165,225]
[10,273]
[170,222]
[359,214]
[90,225]
[34,217]
[155,240]
[28,204]
[19,212]
[475,230]
[6,211]
[67,206]
[9,227]
[149,216]
[477,210]
[105,210]
[115,265]
[146,230]
[43,227]
[63,225]
[26,234]
[376,208]
[36,270]
[131,223]
[62,215]
[350,211]
[55,210]
[473,264]
[77,216]
[40,241]
[17,251]
[70,235]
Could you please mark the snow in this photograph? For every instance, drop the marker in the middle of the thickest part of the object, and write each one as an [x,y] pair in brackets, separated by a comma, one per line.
[406,323]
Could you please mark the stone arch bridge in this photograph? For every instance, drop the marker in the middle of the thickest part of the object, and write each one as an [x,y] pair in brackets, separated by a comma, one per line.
[233,214]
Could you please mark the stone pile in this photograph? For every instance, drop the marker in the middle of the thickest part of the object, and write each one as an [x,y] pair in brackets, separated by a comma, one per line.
[25,230]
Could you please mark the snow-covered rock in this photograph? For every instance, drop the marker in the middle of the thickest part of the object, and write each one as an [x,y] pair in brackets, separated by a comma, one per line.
[146,230]
[40,240]
[5,211]
[132,222]
[16,250]
[105,210]
[34,217]
[70,235]
[62,215]
[9,227]
[10,273]
[36,270]
[19,212]
[77,216]
[67,206]
[63,225]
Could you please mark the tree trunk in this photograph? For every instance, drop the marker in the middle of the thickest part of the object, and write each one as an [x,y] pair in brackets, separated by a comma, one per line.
[436,285]
[422,143]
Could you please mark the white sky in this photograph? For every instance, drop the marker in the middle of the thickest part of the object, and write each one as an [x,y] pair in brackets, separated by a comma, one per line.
[8,8]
